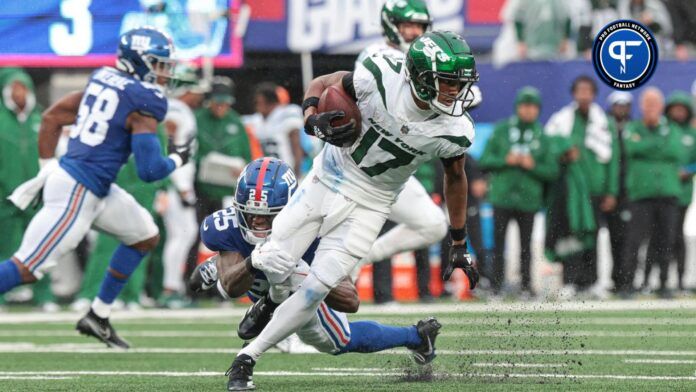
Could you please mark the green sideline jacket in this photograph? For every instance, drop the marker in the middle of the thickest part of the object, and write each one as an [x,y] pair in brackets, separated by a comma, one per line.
[512,186]
[654,157]
[226,136]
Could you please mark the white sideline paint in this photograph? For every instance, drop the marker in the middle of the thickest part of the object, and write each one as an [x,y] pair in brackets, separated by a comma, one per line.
[662,361]
[351,374]
[366,310]
[25,347]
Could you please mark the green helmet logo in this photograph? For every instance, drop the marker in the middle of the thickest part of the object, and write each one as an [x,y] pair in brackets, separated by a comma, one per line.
[399,11]
[441,56]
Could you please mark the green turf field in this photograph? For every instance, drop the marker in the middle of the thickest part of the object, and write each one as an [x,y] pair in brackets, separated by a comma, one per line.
[631,346]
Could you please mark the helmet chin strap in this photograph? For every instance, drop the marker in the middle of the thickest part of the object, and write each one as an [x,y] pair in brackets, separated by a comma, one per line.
[455,109]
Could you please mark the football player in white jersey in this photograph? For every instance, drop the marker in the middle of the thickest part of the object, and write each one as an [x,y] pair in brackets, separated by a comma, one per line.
[179,200]
[420,222]
[411,112]
[277,125]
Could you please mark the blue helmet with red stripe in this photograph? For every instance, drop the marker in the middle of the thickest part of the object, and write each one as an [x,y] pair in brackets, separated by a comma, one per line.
[263,189]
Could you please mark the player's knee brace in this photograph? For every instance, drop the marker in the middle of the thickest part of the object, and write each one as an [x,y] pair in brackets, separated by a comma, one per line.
[125,260]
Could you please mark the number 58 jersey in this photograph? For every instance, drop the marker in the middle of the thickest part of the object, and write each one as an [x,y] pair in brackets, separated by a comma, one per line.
[396,137]
[100,142]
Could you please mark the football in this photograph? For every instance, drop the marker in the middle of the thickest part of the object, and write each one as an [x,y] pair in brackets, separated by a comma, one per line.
[334,98]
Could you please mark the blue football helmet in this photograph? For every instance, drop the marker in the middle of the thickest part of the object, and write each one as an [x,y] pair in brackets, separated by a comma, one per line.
[146,53]
[263,189]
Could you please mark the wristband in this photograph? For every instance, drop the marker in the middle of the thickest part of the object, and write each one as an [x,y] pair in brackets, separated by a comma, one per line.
[249,266]
[178,162]
[458,234]
[310,102]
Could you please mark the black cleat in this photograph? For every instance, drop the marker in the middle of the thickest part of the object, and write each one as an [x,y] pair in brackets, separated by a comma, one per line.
[240,374]
[428,330]
[204,276]
[100,328]
[256,318]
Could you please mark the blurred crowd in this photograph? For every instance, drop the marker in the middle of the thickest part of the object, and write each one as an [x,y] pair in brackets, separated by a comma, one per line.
[590,165]
[560,29]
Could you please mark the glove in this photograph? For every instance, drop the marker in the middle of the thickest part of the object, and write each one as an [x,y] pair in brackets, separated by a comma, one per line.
[268,258]
[183,151]
[459,258]
[205,276]
[319,125]
[188,198]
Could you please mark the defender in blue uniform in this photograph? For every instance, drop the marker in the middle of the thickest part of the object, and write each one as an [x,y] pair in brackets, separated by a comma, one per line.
[116,115]
[264,188]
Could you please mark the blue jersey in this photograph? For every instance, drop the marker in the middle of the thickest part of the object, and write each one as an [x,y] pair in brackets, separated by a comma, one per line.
[220,232]
[99,142]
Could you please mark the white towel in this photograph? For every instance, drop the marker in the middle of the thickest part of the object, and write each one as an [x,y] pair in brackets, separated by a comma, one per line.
[24,194]
[597,134]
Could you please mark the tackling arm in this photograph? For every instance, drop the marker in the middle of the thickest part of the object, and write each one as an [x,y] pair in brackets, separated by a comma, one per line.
[53,119]
[234,275]
[236,279]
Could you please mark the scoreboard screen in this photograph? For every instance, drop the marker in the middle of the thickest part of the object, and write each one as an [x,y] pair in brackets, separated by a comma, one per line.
[84,33]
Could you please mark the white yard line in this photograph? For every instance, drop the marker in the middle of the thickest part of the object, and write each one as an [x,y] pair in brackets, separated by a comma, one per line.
[518,365]
[366,310]
[347,374]
[586,376]
[140,334]
[25,347]
[35,377]
[489,334]
[662,361]
[561,334]
[351,369]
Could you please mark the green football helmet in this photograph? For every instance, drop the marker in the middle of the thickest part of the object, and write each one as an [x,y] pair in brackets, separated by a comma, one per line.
[187,78]
[399,11]
[441,55]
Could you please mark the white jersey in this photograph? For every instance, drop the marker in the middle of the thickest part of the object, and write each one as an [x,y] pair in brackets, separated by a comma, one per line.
[381,48]
[396,137]
[273,132]
[181,114]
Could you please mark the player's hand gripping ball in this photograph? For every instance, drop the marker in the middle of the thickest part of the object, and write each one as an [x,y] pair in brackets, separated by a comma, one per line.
[338,119]
[460,258]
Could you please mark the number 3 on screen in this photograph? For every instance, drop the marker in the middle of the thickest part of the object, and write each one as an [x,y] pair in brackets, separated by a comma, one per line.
[79,42]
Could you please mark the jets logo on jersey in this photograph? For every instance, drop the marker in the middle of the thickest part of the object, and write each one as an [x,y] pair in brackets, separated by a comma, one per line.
[625,54]
[140,42]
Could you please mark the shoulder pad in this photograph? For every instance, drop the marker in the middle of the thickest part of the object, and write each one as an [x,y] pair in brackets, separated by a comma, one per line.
[149,100]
